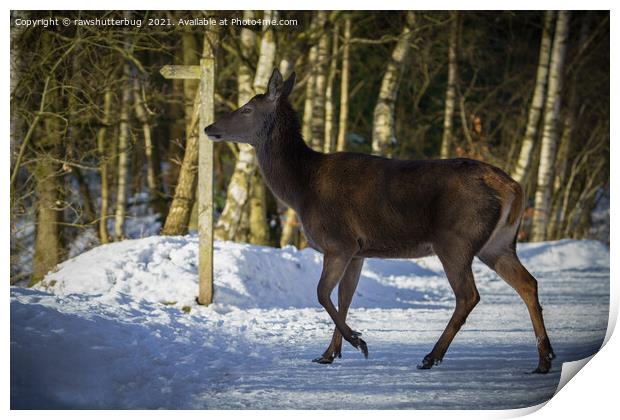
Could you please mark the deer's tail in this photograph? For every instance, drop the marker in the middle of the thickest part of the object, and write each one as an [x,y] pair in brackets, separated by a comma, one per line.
[516,207]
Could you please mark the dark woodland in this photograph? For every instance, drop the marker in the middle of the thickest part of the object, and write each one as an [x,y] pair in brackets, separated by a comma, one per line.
[104,148]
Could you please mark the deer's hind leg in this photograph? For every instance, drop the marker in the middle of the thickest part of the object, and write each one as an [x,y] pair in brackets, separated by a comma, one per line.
[456,260]
[346,289]
[504,261]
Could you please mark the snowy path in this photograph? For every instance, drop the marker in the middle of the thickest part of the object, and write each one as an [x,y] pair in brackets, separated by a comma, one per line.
[108,331]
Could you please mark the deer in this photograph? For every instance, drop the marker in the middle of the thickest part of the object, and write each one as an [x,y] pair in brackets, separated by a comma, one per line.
[354,206]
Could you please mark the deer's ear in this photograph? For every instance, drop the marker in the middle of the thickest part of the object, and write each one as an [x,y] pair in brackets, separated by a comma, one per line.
[288,86]
[274,88]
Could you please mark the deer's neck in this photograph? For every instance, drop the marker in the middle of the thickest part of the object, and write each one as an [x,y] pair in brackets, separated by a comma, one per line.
[288,165]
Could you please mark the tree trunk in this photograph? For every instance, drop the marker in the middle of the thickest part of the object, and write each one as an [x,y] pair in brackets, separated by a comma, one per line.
[103,166]
[310,87]
[448,118]
[344,88]
[320,81]
[564,150]
[550,130]
[123,156]
[290,227]
[527,145]
[383,132]
[259,229]
[328,142]
[47,245]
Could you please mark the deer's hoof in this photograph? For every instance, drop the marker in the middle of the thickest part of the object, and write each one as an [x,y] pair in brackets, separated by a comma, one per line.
[428,362]
[544,364]
[323,360]
[543,368]
[360,344]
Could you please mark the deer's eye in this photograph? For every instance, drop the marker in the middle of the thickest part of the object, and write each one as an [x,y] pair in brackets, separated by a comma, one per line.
[246,110]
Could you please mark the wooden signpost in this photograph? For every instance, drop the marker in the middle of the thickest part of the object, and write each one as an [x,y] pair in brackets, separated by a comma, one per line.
[205,72]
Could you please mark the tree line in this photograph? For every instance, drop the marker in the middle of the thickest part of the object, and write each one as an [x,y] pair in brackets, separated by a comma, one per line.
[99,140]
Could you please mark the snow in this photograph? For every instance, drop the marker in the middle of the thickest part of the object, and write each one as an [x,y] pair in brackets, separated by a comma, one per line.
[118,327]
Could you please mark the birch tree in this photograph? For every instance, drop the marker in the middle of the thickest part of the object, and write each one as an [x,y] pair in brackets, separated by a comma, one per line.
[310,85]
[344,88]
[328,142]
[564,149]
[123,155]
[383,130]
[550,128]
[104,156]
[448,118]
[320,82]
[533,120]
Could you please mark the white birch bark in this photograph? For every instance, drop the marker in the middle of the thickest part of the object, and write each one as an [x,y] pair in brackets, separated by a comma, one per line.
[550,129]
[383,131]
[533,119]
[103,166]
[123,158]
[564,150]
[328,142]
[320,83]
[344,88]
[306,131]
[448,118]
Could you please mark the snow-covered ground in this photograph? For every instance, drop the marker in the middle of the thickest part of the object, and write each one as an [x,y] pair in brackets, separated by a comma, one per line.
[117,327]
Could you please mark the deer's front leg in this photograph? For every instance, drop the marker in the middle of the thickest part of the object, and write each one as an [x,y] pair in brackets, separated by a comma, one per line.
[334,266]
[346,289]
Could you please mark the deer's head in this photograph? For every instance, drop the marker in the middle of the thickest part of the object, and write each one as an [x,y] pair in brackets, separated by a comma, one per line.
[253,121]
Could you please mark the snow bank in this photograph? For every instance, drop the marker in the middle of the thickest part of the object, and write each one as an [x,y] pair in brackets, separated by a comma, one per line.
[566,254]
[163,269]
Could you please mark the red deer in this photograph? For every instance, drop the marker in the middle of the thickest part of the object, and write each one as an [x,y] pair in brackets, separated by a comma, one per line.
[354,206]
